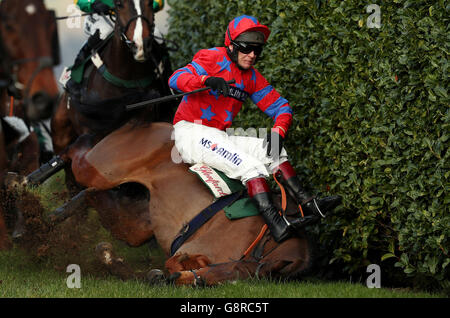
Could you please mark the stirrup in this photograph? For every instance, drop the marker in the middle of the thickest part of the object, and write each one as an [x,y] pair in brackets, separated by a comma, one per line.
[313,199]
[302,222]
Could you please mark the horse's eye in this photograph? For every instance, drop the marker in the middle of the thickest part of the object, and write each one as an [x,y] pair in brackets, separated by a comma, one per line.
[119,3]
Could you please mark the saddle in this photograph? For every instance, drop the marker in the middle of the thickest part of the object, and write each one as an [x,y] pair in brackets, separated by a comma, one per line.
[231,196]
[221,186]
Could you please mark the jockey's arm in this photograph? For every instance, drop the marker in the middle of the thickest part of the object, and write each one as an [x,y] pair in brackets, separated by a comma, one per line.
[86,5]
[272,104]
[193,75]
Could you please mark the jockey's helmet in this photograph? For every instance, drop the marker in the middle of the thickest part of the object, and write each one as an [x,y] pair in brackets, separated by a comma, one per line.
[246,34]
[246,28]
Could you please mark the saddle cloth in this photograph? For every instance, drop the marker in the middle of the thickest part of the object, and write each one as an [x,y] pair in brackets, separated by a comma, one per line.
[220,185]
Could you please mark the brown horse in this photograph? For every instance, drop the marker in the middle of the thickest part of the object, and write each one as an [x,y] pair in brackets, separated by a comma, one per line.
[130,73]
[28,90]
[134,68]
[28,51]
[217,251]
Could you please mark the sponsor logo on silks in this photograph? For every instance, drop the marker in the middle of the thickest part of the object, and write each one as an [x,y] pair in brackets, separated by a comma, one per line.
[238,94]
[232,157]
[212,179]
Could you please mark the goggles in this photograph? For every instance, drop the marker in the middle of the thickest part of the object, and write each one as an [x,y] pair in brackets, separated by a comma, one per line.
[247,48]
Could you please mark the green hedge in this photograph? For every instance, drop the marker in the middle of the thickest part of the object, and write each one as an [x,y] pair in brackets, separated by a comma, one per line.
[371,120]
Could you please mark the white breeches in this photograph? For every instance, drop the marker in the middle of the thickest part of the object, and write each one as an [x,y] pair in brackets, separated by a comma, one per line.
[95,22]
[239,157]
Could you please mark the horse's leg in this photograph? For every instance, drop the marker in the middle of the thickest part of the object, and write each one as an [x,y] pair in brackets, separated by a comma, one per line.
[76,205]
[124,214]
[182,262]
[63,132]
[26,158]
[5,242]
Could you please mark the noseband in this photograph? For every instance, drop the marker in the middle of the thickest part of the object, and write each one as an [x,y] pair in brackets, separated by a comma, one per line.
[124,28]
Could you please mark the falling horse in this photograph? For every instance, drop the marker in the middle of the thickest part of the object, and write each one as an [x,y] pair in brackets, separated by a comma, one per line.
[28,88]
[218,251]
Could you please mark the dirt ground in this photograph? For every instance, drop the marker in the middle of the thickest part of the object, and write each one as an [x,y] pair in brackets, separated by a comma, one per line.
[74,240]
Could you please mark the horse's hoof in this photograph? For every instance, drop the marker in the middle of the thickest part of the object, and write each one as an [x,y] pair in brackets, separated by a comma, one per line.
[156,277]
[104,251]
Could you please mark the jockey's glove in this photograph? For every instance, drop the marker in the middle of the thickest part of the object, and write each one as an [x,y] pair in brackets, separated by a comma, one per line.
[274,143]
[218,84]
[99,7]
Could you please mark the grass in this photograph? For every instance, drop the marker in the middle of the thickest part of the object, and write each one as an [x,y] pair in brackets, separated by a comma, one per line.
[22,277]
[26,275]
[31,281]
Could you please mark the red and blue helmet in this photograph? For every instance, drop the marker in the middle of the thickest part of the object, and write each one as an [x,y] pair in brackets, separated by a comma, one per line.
[244,23]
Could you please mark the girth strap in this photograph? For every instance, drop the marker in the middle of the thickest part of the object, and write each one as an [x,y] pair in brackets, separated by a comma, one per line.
[189,229]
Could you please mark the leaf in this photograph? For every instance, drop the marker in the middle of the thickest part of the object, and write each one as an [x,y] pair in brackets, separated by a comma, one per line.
[387,256]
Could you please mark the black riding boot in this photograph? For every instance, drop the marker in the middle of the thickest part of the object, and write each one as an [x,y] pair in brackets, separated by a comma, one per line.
[279,226]
[308,204]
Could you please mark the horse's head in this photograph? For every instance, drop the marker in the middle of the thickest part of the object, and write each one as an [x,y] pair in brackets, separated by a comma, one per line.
[135,22]
[29,50]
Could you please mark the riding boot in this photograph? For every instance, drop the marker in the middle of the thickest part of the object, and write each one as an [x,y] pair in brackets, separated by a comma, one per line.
[279,226]
[308,204]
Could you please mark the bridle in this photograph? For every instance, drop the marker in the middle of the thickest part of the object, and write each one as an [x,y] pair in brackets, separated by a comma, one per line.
[123,29]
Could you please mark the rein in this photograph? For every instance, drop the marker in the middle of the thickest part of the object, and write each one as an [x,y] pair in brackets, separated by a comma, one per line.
[123,29]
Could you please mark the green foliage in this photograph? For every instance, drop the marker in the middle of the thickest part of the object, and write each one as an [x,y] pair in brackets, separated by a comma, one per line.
[371,119]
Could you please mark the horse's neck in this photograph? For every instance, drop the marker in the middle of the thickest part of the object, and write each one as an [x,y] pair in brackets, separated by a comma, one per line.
[120,61]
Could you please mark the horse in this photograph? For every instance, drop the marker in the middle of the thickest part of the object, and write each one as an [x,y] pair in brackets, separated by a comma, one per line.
[220,250]
[27,61]
[93,108]
[28,89]
[127,67]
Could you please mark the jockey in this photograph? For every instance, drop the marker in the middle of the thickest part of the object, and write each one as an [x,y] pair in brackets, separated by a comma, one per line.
[202,118]
[100,22]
